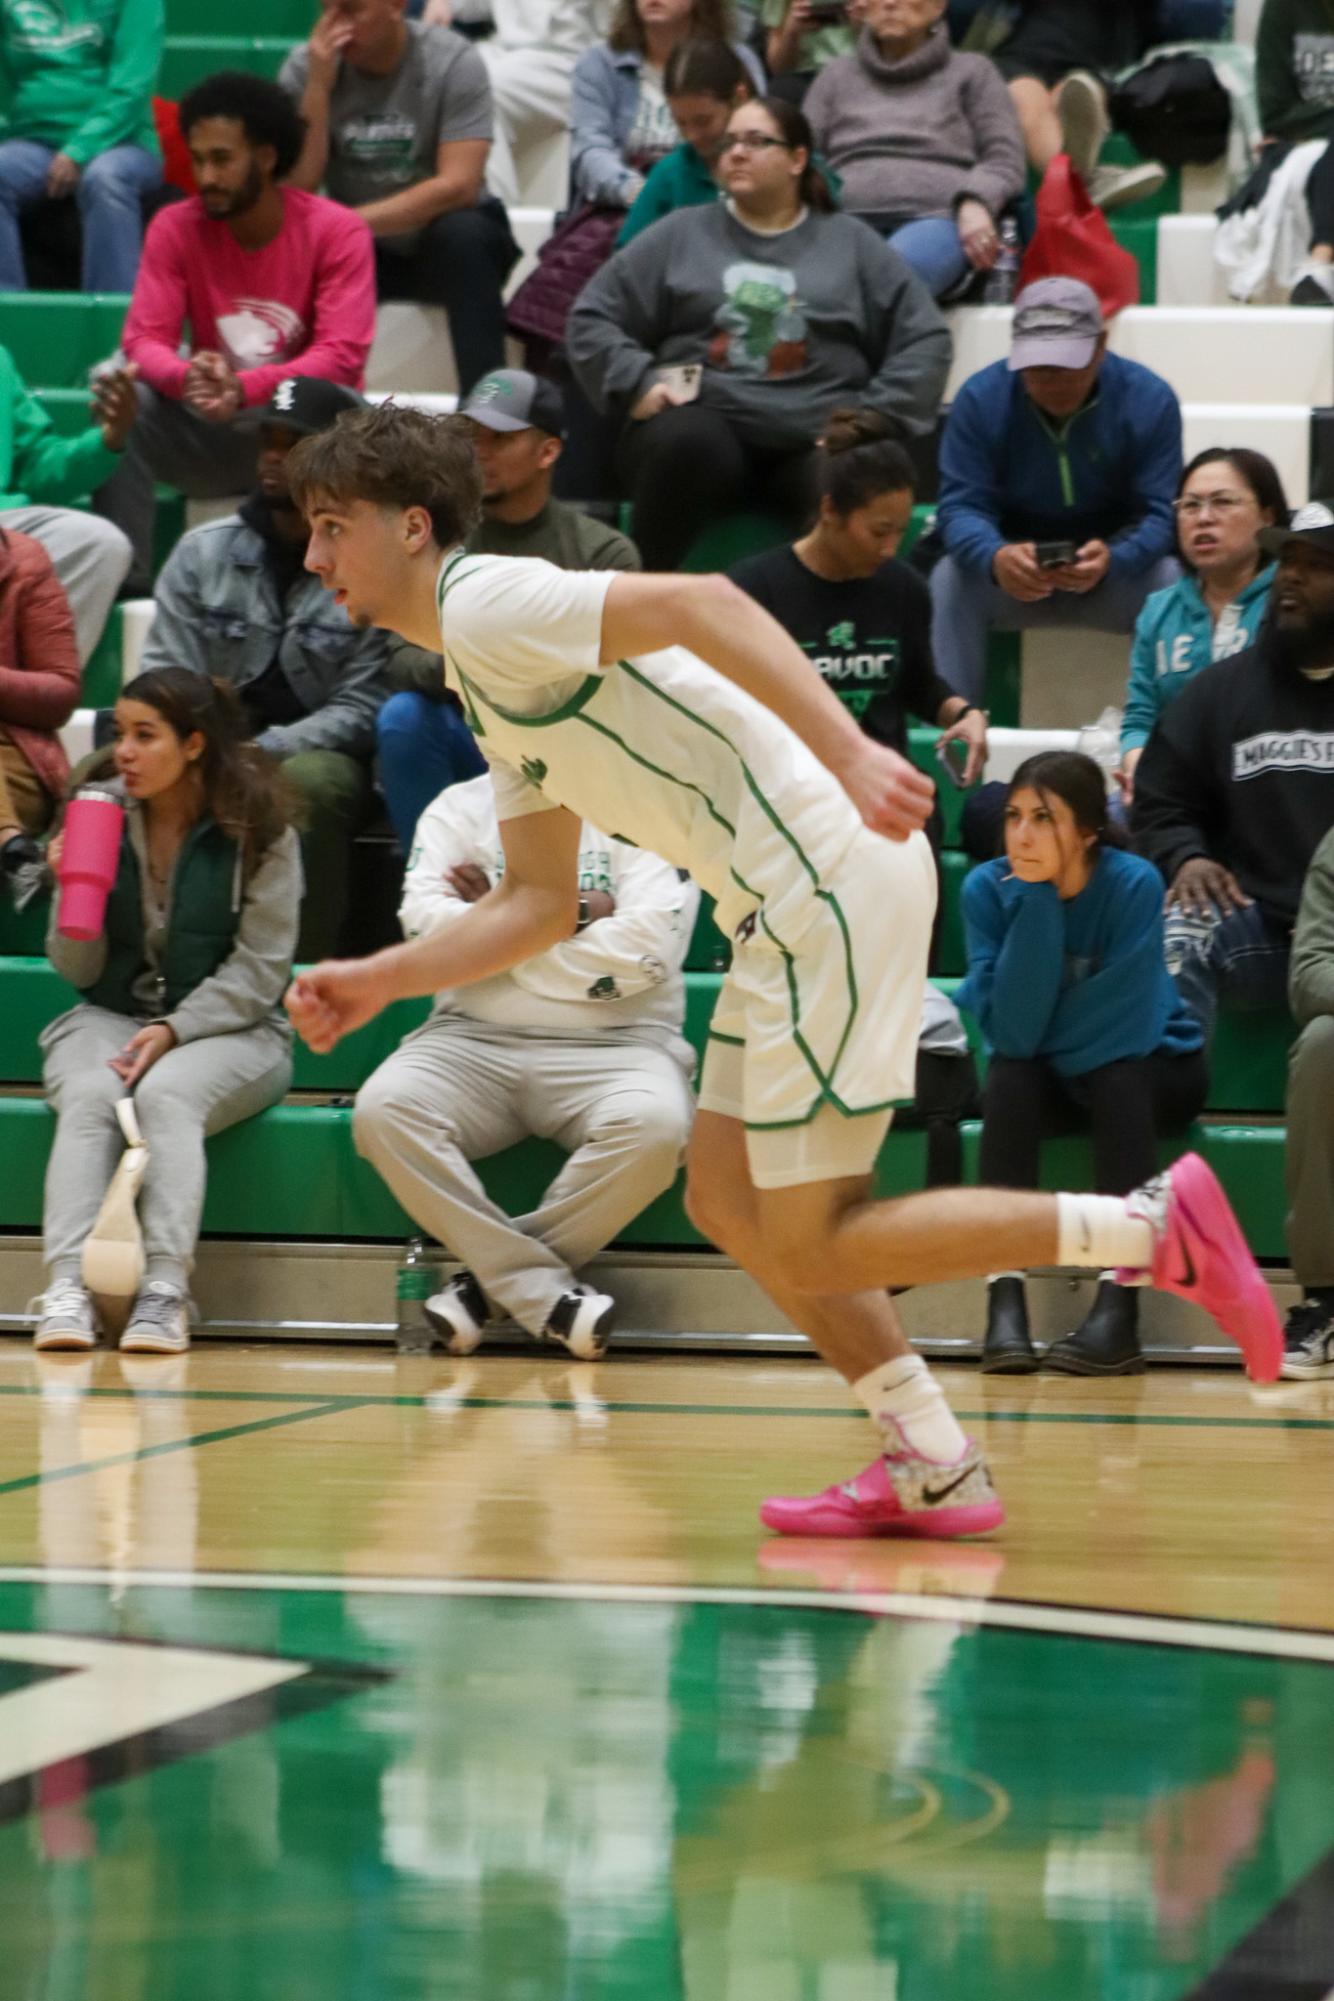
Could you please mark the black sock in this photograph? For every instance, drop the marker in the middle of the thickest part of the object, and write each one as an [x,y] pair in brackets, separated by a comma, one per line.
[17,850]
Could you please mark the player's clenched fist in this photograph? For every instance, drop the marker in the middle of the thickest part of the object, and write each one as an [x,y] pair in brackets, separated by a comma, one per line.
[332,999]
[893,797]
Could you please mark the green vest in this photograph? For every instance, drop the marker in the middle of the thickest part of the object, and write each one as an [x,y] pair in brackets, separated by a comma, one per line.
[201,922]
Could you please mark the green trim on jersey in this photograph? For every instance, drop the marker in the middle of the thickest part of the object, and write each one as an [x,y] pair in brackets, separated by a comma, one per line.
[582,694]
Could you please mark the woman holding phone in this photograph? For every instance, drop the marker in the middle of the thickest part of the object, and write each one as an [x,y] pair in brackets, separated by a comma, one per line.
[181,994]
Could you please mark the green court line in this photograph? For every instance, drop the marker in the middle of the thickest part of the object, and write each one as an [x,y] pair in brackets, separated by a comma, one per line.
[1159,1419]
[27,1480]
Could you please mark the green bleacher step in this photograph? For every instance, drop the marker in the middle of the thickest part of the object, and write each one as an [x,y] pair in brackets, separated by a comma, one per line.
[198,19]
[56,337]
[188,59]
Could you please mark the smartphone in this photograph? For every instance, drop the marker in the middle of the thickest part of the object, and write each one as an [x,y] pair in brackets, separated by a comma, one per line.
[824,13]
[952,766]
[684,378]
[1055,555]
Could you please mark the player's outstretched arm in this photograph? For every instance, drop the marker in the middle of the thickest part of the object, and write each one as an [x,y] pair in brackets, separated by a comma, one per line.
[726,628]
[532,907]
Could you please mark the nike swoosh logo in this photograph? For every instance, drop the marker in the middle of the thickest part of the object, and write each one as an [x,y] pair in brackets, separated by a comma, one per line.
[933,1495]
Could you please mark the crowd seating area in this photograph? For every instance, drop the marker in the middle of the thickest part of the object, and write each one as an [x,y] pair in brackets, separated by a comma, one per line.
[1261,376]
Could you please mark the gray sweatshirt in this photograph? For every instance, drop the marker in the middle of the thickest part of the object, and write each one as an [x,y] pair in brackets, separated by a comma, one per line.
[914,137]
[786,326]
[249,985]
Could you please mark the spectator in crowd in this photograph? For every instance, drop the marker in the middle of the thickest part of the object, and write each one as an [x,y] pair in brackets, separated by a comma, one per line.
[1309,1155]
[803,37]
[1294,79]
[40,471]
[722,338]
[398,127]
[1234,793]
[1054,60]
[1085,1028]
[272,282]
[518,425]
[236,603]
[620,123]
[180,995]
[78,83]
[1058,469]
[925,141]
[530,58]
[704,82]
[581,1045]
[1228,494]
[39,691]
[862,618]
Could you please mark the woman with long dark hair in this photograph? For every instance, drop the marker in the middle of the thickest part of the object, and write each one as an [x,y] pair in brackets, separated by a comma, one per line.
[181,993]
[721,339]
[1085,1028]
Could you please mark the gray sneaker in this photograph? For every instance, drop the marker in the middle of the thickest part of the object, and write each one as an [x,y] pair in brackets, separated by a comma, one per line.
[159,1322]
[1081,106]
[67,1318]
[1308,1341]
[1116,187]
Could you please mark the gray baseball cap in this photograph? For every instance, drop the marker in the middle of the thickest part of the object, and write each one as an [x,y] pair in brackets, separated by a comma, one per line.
[510,399]
[1057,324]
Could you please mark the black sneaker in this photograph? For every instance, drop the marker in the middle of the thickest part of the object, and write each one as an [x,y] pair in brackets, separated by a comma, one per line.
[1308,1341]
[581,1321]
[1309,291]
[24,869]
[1107,1342]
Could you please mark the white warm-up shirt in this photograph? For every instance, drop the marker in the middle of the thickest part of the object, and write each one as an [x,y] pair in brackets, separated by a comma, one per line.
[661,751]
[621,976]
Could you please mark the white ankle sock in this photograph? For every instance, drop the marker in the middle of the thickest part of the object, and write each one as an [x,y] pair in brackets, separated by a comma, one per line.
[1100,1230]
[905,1390]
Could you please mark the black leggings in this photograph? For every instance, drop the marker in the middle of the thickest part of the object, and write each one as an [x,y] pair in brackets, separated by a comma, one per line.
[1320,197]
[685,466]
[1125,1107]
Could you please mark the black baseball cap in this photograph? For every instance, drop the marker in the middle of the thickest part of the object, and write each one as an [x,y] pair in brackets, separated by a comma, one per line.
[305,403]
[1312,525]
[510,399]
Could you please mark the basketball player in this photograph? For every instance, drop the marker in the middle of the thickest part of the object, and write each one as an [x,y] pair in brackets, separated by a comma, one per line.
[674,712]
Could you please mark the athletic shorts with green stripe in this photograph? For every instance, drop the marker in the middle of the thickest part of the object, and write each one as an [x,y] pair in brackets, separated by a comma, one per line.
[816,1031]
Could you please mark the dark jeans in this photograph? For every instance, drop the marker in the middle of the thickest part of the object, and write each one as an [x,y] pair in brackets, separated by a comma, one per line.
[1320,197]
[1242,959]
[460,261]
[1124,1106]
[686,466]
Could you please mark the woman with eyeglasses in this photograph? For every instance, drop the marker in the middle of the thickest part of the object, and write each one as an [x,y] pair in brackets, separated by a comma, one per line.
[722,337]
[1227,495]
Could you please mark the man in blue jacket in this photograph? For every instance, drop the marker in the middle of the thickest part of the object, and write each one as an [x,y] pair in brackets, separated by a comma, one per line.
[1058,469]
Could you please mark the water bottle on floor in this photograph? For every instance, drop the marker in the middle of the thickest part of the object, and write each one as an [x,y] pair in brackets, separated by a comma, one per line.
[1003,278]
[414,1282]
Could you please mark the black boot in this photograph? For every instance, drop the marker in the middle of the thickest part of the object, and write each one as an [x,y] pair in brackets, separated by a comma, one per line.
[1107,1344]
[1007,1349]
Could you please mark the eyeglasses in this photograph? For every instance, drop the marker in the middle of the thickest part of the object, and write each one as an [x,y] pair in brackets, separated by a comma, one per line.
[1194,504]
[752,142]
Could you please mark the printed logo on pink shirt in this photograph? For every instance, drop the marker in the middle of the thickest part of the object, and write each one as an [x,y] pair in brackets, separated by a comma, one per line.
[260,330]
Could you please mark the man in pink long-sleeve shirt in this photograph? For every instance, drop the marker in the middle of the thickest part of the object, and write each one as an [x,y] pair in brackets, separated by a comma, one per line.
[272,282]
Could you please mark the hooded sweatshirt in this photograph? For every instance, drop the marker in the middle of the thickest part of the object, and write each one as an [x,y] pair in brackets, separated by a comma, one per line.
[80,76]
[1175,637]
[1241,768]
[915,136]
[1294,69]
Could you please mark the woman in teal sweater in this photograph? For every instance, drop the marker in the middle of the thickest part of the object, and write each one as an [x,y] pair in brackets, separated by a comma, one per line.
[1227,495]
[1084,1025]
[703,82]
[78,81]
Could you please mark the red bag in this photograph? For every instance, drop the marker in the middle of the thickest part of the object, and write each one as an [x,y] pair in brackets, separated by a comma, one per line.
[1072,240]
[177,166]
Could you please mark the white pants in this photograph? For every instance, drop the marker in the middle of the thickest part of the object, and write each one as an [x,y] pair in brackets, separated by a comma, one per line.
[530,95]
[458,1090]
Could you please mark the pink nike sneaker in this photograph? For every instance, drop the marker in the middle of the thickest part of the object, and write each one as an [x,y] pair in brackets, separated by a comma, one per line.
[1201,1255]
[899,1494]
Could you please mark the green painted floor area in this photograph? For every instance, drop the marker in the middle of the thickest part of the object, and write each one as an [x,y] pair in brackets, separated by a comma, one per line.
[531,1800]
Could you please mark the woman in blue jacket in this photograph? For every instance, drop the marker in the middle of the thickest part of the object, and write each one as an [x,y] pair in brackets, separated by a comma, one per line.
[1084,1025]
[1227,496]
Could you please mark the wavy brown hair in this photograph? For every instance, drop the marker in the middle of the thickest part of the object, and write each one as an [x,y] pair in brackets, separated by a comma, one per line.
[710,20]
[245,791]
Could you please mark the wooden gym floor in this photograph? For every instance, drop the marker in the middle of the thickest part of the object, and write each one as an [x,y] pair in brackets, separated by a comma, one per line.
[329,1674]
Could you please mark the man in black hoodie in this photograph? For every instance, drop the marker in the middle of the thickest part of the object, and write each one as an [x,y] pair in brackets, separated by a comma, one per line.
[1235,790]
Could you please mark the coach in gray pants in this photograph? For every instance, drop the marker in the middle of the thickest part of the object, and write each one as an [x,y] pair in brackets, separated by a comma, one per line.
[581,1045]
[1309,1339]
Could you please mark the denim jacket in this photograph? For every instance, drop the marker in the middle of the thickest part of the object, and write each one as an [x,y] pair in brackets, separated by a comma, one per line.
[604,100]
[218,611]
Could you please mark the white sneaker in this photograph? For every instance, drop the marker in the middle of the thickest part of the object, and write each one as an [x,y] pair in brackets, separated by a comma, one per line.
[581,1321]
[1117,187]
[68,1318]
[1081,105]
[459,1313]
[159,1322]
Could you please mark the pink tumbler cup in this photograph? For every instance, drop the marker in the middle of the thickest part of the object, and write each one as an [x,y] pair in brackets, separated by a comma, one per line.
[88,865]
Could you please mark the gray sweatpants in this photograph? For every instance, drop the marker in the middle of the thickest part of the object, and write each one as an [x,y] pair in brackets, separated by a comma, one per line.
[192,1091]
[1309,1159]
[458,1090]
[91,558]
[168,442]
